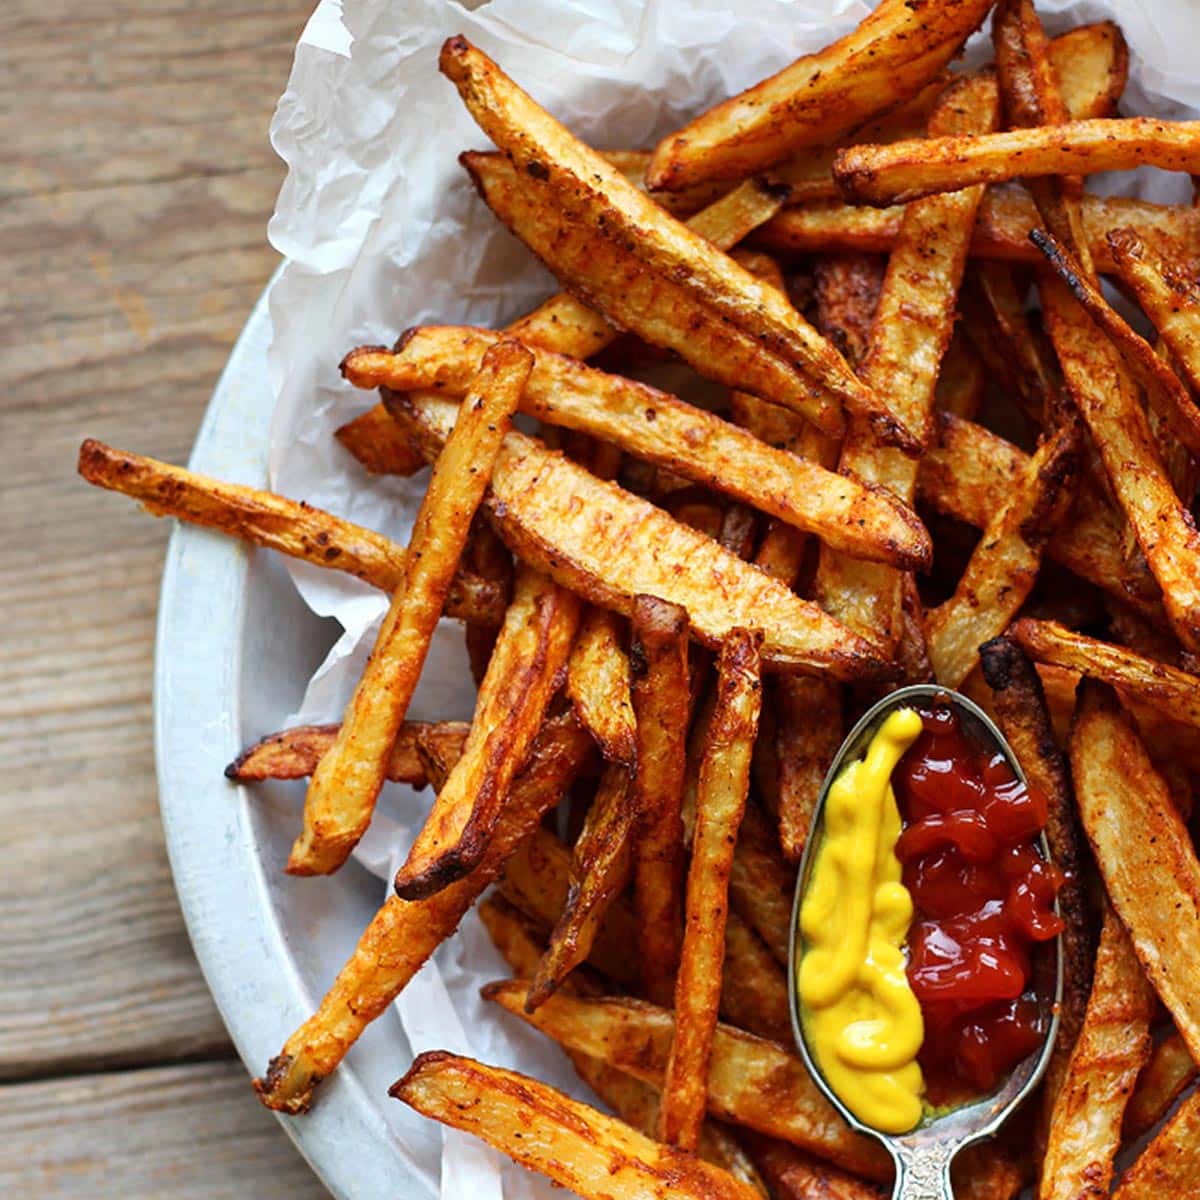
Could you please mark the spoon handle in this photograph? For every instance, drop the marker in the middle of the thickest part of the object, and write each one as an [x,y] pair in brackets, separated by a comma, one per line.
[923,1171]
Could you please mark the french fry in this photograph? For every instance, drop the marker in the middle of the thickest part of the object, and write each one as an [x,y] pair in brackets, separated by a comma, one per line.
[601,871]
[657,426]
[796,1175]
[1085,1123]
[522,677]
[276,523]
[578,1147]
[961,382]
[1002,227]
[617,248]
[294,753]
[403,934]
[720,803]
[379,444]
[886,60]
[661,702]
[1170,1165]
[847,295]
[599,683]
[609,546]
[761,883]
[1004,566]
[901,172]
[1143,850]
[1167,291]
[343,789]
[751,1082]
[808,714]
[1168,1071]
[754,994]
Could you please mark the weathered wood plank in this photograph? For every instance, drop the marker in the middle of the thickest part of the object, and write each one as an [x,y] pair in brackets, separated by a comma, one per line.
[191,1131]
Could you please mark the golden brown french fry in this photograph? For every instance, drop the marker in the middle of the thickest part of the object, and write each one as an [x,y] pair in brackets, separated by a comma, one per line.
[661,702]
[1164,389]
[599,682]
[379,444]
[886,60]
[1143,850]
[754,993]
[403,934]
[1004,566]
[601,872]
[522,677]
[578,1147]
[795,1175]
[617,248]
[847,295]
[751,1081]
[961,382]
[609,546]
[1001,232]
[1170,1165]
[276,523]
[761,883]
[343,789]
[912,328]
[662,429]
[1085,1124]
[720,803]
[1019,708]
[808,714]
[294,753]
[1168,1070]
[901,172]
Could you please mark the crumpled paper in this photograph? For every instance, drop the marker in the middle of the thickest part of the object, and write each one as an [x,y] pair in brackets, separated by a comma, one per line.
[381,230]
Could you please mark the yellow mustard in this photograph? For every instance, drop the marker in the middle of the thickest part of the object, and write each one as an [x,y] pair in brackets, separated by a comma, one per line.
[862,1022]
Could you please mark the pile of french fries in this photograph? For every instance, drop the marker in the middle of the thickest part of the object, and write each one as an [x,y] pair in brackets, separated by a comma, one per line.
[942,455]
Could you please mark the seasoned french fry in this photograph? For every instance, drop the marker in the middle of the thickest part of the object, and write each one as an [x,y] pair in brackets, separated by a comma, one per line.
[403,934]
[1170,1165]
[598,683]
[609,546]
[379,444]
[761,883]
[276,523]
[751,1082]
[661,702]
[886,60]
[905,171]
[1143,850]
[808,714]
[1168,1070]
[522,677]
[577,1146]
[601,871]
[1004,566]
[754,994]
[294,753]
[1002,226]
[847,295]
[720,803]
[796,1175]
[961,381]
[343,789]
[657,426]
[1085,1123]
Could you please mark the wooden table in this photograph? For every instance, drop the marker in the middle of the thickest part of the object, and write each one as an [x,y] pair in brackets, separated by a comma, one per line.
[137,180]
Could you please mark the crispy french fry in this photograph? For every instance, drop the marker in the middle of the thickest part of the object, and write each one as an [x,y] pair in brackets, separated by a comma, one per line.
[1001,231]
[1168,1070]
[598,683]
[522,677]
[294,753]
[796,1175]
[610,546]
[657,426]
[1164,389]
[905,171]
[720,803]
[1170,1165]
[601,871]
[1143,850]
[808,714]
[343,789]
[961,382]
[276,523]
[886,60]
[761,883]
[847,295]
[578,1147]
[754,993]
[403,934]
[661,702]
[379,444]
[751,1081]
[1004,566]
[1085,1123]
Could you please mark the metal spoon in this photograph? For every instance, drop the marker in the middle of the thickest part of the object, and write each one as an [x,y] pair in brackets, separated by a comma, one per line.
[924,1154]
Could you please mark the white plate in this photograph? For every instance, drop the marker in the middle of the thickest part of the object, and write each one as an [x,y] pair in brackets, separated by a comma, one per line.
[265,941]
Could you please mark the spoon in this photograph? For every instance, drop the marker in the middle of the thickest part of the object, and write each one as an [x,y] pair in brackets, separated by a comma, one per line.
[924,1154]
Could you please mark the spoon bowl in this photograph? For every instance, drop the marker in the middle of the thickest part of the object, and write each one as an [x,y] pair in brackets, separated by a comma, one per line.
[924,1154]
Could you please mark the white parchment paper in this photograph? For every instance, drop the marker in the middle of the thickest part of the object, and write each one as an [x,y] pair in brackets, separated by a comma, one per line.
[381,231]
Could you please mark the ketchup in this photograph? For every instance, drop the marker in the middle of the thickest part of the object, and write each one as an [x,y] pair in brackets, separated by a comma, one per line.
[983,898]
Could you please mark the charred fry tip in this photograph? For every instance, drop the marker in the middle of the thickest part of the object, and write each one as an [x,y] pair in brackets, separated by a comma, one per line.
[268,1088]
[1000,659]
[441,873]
[91,453]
